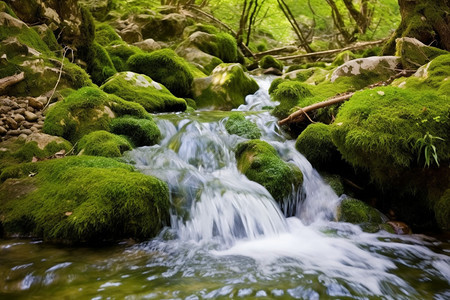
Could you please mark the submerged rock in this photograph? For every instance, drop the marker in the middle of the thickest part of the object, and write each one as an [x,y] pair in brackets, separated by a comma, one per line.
[225,88]
[260,162]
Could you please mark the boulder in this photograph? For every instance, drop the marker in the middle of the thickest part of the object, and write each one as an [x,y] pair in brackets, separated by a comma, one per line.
[103,143]
[239,125]
[414,53]
[148,45]
[153,96]
[225,88]
[269,61]
[107,208]
[375,68]
[194,55]
[43,139]
[131,34]
[357,212]
[260,162]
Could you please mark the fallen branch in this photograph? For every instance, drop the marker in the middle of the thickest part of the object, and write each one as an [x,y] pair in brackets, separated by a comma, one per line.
[10,80]
[333,51]
[66,48]
[276,51]
[299,115]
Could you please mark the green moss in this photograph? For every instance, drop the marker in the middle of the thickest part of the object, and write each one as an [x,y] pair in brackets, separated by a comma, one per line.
[141,132]
[153,96]
[414,54]
[239,125]
[275,83]
[225,89]
[357,212]
[120,53]
[442,211]
[100,201]
[105,35]
[75,76]
[377,129]
[86,110]
[103,143]
[166,67]
[316,145]
[5,8]
[269,61]
[100,65]
[344,57]
[199,27]
[49,38]
[259,161]
[335,182]
[288,93]
[27,36]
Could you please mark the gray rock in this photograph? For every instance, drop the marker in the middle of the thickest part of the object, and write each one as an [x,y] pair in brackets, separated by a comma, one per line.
[43,139]
[4,109]
[27,131]
[3,130]
[19,118]
[131,34]
[11,123]
[29,116]
[14,132]
[148,45]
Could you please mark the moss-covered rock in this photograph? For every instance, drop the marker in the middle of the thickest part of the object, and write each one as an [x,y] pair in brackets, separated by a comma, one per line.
[100,201]
[260,162]
[99,63]
[141,132]
[269,61]
[344,57]
[166,67]
[154,97]
[335,182]
[382,129]
[288,93]
[239,125]
[103,143]
[99,8]
[105,35]
[442,211]
[316,145]
[357,212]
[188,31]
[120,53]
[86,110]
[369,69]
[225,88]
[414,54]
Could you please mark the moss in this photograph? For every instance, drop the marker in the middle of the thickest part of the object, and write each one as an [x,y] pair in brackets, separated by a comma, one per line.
[239,125]
[75,76]
[259,161]
[86,110]
[269,61]
[275,83]
[199,27]
[99,201]
[5,8]
[103,143]
[335,182]
[414,54]
[105,35]
[49,38]
[288,93]
[377,129]
[357,212]
[99,64]
[442,211]
[225,89]
[166,67]
[153,96]
[120,53]
[316,145]
[344,57]
[317,64]
[141,132]
[221,45]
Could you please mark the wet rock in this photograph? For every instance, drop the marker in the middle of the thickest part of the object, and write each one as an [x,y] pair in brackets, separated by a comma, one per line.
[399,227]
[272,71]
[29,116]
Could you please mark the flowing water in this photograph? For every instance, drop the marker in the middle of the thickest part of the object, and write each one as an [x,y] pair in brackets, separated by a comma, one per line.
[228,238]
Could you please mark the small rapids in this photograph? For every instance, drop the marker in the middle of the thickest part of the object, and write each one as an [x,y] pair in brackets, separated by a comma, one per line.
[229,238]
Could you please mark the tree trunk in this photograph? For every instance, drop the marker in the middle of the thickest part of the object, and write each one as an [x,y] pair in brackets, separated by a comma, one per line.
[428,21]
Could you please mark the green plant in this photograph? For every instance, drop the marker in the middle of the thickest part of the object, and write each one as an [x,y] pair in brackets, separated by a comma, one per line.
[426,143]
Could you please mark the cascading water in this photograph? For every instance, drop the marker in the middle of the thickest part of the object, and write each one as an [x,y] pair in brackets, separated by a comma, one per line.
[229,239]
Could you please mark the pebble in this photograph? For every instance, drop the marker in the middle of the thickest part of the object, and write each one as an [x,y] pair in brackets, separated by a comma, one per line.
[27,131]
[27,125]
[3,130]
[11,123]
[14,132]
[37,103]
[18,118]
[30,109]
[30,116]
[20,111]
[4,109]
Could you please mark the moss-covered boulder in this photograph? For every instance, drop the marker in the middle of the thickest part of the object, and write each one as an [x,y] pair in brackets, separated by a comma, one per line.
[269,61]
[154,97]
[103,143]
[99,8]
[225,88]
[414,53]
[288,94]
[239,125]
[98,61]
[368,69]
[105,35]
[86,110]
[120,53]
[316,145]
[141,132]
[357,212]
[99,201]
[166,67]
[388,130]
[260,162]
[335,182]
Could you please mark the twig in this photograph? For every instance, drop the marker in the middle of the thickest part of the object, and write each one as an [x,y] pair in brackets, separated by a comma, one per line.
[66,48]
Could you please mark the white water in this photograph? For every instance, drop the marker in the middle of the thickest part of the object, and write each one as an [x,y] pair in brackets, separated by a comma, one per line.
[221,219]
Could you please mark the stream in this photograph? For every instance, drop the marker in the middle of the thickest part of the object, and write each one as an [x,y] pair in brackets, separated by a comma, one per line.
[228,237]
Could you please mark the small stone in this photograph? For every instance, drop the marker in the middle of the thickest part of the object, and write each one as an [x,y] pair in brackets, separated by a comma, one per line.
[38,126]
[4,109]
[22,137]
[27,131]
[14,132]
[23,105]
[3,130]
[30,109]
[40,122]
[27,125]
[20,111]
[36,102]
[11,123]
[30,116]
[381,93]
[19,118]
[34,129]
